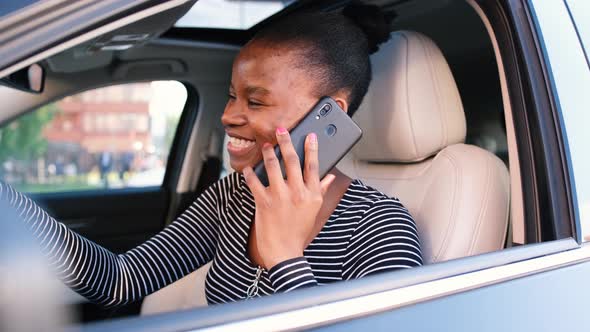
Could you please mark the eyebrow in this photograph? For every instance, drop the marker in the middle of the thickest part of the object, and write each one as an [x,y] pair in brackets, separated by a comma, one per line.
[256,90]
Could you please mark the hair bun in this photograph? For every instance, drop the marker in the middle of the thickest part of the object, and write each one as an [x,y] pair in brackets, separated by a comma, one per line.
[372,20]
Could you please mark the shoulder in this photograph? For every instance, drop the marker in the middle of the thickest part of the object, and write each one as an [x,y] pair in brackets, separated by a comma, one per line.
[381,209]
[227,185]
[224,189]
[385,238]
[372,198]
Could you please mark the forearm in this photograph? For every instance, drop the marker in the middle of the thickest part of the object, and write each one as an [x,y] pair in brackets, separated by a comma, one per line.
[84,266]
[109,279]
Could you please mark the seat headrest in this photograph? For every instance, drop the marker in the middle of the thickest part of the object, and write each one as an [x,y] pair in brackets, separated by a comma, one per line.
[412,109]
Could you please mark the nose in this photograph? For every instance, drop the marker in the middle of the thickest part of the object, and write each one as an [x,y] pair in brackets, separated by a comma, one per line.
[233,115]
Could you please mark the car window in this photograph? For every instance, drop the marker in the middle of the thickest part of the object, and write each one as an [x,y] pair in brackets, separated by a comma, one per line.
[578,135]
[580,12]
[570,77]
[111,137]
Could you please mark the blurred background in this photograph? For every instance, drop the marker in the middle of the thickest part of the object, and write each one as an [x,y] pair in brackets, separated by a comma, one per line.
[113,137]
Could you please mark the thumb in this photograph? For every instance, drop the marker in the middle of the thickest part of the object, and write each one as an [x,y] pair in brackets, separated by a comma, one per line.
[326,182]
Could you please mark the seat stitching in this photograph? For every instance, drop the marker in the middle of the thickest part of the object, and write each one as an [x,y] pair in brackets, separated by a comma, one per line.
[419,207]
[452,222]
[403,35]
[435,85]
[484,208]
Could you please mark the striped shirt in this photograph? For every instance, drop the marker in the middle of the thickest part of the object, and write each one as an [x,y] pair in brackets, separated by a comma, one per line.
[367,233]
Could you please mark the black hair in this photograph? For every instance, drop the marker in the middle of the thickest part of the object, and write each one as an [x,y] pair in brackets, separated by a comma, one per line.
[334,46]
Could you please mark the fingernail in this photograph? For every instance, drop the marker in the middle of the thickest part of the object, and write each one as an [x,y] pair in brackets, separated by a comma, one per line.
[313,138]
[267,146]
[281,131]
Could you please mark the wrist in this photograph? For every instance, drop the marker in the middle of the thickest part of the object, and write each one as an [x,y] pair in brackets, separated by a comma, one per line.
[278,258]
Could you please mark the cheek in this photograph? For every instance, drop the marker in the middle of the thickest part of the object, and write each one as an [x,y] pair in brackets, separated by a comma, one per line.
[264,129]
[265,125]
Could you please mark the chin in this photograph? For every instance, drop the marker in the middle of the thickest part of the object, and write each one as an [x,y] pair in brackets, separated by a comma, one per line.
[239,164]
[237,167]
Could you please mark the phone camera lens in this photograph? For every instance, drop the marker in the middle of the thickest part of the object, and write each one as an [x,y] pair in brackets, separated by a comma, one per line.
[325,110]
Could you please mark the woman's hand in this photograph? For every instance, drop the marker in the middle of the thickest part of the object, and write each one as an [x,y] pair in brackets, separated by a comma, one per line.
[286,210]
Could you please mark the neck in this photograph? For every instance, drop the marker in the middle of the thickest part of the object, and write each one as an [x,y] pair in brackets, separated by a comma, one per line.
[341,183]
[335,192]
[331,200]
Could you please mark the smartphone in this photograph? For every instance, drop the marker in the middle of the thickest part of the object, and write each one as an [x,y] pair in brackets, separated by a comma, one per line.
[336,133]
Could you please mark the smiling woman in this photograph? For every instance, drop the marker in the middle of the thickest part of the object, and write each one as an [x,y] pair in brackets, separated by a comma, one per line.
[296,233]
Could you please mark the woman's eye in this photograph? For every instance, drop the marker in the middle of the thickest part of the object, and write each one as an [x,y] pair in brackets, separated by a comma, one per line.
[232,97]
[253,103]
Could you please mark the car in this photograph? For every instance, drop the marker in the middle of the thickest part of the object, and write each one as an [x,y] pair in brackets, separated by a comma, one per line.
[110,121]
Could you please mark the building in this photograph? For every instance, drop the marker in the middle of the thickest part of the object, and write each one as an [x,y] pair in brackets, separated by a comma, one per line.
[114,120]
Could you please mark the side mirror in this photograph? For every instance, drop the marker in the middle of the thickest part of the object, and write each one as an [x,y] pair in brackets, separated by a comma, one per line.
[29,79]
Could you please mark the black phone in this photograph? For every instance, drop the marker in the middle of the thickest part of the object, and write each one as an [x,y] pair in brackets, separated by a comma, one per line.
[336,133]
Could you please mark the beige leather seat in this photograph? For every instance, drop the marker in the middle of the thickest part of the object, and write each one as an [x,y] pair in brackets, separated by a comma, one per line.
[414,127]
[412,148]
[186,293]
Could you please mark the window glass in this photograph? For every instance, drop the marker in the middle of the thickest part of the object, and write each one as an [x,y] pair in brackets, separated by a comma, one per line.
[580,11]
[230,14]
[570,77]
[578,134]
[112,137]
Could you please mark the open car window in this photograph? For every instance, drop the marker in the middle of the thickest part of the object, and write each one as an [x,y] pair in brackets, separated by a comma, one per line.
[112,137]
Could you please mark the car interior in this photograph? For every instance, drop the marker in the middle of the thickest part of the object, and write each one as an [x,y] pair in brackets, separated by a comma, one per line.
[436,122]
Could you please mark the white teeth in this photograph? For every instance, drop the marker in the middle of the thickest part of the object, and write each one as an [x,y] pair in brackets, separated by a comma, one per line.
[240,143]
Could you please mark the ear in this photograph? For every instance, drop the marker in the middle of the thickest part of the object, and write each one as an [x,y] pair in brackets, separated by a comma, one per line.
[341,102]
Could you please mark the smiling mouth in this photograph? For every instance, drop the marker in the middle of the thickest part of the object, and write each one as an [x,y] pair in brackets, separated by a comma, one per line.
[239,145]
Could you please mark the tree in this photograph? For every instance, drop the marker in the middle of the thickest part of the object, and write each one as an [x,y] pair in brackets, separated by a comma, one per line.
[22,139]
[171,125]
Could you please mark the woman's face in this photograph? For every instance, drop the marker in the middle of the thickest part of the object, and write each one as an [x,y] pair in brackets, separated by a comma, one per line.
[267,91]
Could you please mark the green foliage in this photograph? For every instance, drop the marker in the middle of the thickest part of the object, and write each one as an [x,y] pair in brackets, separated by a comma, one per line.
[171,125]
[22,139]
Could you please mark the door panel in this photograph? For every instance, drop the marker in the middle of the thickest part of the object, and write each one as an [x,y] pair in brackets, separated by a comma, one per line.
[117,219]
[549,301]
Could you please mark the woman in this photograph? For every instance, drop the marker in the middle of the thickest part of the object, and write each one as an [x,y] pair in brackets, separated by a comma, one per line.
[295,233]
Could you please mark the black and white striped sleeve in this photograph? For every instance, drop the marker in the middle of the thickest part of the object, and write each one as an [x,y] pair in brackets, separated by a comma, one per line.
[291,274]
[110,279]
[385,239]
